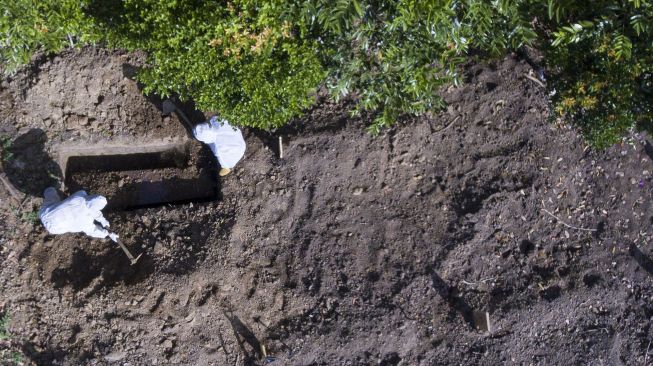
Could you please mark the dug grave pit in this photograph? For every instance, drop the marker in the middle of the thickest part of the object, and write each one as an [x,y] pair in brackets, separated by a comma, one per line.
[133,177]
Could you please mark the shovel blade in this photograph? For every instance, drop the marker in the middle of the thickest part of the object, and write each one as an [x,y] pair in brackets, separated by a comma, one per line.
[168,107]
[133,261]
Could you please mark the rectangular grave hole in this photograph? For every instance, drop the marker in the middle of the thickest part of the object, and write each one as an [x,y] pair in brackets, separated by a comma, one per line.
[140,180]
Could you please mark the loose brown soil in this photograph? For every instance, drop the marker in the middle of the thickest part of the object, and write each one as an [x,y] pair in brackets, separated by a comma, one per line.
[351,250]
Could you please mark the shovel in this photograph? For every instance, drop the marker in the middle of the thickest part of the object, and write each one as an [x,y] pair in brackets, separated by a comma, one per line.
[124,249]
[169,106]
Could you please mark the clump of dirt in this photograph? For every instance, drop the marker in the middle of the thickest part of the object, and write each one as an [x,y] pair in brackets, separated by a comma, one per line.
[352,249]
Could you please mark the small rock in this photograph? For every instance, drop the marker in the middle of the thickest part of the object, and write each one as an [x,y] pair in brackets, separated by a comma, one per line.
[210,348]
[159,248]
[358,191]
[115,356]
[482,321]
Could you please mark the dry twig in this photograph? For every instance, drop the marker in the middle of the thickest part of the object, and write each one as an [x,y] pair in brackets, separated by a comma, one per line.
[447,126]
[533,79]
[15,194]
[565,224]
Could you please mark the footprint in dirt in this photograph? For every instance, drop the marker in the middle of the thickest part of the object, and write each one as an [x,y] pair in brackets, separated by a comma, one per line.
[28,166]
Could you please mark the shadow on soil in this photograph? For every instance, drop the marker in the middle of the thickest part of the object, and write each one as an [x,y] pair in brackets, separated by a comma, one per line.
[47,356]
[101,269]
[648,149]
[245,337]
[449,294]
[28,166]
[92,266]
[641,258]
[102,264]
[55,355]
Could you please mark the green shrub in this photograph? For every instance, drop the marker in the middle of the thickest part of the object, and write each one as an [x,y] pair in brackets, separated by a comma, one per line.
[4,333]
[395,55]
[259,62]
[602,55]
[5,149]
[242,59]
[29,25]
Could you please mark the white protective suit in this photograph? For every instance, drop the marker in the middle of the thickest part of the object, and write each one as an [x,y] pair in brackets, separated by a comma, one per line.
[225,141]
[77,213]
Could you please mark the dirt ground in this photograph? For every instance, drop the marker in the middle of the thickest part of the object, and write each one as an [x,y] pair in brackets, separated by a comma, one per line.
[351,250]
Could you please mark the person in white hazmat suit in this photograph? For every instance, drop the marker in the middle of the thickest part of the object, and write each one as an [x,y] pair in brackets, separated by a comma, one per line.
[77,213]
[226,142]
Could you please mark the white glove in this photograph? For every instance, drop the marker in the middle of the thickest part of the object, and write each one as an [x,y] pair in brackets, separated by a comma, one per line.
[102,221]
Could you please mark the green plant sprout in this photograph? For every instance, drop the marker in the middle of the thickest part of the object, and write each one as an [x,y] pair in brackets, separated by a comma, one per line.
[5,144]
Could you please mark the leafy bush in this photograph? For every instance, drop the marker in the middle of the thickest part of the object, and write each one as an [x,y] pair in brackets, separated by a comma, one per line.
[603,60]
[242,59]
[259,62]
[28,25]
[5,149]
[395,55]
